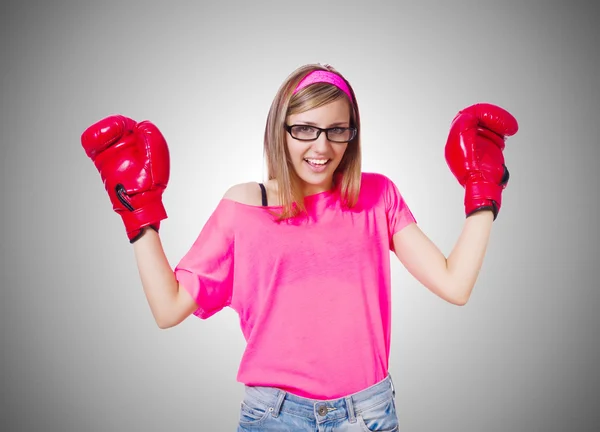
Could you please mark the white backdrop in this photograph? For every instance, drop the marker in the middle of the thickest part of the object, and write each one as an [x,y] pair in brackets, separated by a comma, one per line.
[80,349]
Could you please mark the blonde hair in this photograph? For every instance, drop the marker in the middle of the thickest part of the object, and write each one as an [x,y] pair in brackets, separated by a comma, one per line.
[348,174]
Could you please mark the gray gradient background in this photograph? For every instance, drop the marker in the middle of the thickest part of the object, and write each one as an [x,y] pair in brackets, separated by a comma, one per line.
[80,350]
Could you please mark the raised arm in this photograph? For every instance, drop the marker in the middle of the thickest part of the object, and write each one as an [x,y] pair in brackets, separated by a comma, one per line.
[133,161]
[474,153]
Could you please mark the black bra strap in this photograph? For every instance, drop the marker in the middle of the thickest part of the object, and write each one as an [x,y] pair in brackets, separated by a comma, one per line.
[264,194]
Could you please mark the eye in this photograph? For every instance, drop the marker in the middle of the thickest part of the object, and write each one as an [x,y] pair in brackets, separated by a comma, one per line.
[338,130]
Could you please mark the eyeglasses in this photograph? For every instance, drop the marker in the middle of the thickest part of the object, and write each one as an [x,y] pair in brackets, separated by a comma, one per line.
[311,133]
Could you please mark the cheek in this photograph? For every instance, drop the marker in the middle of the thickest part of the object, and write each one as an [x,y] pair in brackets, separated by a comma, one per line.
[340,151]
[296,151]
[295,157]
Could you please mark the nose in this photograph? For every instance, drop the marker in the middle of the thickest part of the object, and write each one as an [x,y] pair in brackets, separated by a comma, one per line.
[321,144]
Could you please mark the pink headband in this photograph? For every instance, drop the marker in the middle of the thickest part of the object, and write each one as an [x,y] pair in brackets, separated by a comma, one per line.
[321,76]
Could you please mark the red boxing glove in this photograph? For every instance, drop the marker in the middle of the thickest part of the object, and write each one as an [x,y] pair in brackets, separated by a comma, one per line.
[133,161]
[474,154]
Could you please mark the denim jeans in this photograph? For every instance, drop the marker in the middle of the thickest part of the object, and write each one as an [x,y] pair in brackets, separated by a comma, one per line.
[270,409]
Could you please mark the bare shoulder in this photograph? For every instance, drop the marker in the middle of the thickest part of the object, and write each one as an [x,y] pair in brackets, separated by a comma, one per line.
[245,193]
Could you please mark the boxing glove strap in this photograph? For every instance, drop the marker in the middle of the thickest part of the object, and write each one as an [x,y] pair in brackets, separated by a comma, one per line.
[147,215]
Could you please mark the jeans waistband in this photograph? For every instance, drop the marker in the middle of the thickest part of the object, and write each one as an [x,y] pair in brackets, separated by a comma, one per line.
[322,410]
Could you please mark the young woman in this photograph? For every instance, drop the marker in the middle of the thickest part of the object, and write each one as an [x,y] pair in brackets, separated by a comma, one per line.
[304,258]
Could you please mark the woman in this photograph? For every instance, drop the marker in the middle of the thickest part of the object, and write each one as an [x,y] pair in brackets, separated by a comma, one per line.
[304,258]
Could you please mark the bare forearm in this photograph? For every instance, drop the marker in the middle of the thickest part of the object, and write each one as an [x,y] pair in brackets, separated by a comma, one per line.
[158,278]
[466,259]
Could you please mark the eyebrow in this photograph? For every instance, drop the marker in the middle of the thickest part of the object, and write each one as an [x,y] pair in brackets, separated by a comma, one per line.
[331,125]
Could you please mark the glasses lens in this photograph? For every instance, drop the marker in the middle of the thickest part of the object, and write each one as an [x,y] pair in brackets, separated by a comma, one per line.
[302,132]
[340,134]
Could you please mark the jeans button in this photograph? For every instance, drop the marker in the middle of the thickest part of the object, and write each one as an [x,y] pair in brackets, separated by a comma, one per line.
[322,410]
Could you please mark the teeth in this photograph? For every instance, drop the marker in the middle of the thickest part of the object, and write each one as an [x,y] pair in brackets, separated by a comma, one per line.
[318,161]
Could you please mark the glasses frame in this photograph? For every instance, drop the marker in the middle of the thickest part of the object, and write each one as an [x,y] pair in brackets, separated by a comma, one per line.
[354,130]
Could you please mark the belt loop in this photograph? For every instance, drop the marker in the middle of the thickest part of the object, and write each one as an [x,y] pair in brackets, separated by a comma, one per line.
[277,408]
[350,408]
[392,384]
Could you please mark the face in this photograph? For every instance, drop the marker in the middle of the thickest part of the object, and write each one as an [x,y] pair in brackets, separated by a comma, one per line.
[316,161]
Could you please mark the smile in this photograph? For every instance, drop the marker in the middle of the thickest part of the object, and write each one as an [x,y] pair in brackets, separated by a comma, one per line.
[317,162]
[317,165]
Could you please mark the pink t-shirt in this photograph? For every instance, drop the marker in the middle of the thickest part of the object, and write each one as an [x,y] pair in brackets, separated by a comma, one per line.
[312,294]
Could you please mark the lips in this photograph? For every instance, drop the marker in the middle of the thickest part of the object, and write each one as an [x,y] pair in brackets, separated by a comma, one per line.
[317,165]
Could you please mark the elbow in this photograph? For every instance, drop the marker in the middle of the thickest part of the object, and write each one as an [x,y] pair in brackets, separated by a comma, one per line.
[167,313]
[460,296]
[460,301]
[454,294]
[164,322]
[163,325]
[455,300]
[169,319]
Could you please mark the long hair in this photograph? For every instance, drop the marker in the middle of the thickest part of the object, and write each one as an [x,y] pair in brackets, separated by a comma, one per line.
[347,175]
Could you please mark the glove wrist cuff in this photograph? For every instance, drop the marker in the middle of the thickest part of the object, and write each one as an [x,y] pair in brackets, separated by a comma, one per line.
[480,195]
[149,215]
